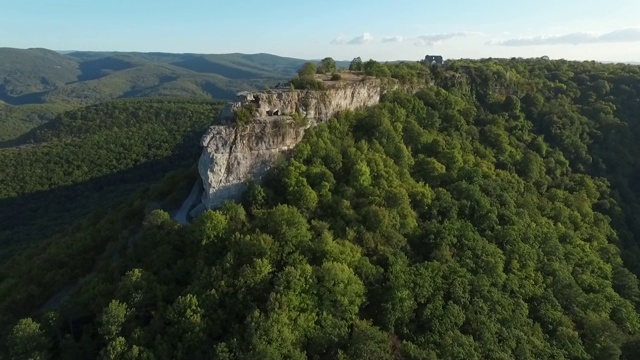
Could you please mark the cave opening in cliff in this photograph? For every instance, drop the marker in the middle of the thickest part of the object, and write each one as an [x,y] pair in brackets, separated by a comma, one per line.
[275,112]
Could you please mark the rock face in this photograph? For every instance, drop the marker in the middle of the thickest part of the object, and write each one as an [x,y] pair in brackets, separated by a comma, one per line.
[233,154]
[318,105]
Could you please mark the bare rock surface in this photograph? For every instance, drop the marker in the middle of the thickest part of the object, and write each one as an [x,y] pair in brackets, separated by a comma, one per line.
[233,154]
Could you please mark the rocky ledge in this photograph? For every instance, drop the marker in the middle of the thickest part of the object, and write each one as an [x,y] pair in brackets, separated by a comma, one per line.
[234,153]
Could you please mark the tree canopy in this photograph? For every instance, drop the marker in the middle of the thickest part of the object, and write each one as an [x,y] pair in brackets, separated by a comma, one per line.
[308,69]
[490,214]
[327,65]
[356,64]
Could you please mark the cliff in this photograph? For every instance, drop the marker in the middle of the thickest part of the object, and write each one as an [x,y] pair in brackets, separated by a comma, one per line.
[233,153]
[315,105]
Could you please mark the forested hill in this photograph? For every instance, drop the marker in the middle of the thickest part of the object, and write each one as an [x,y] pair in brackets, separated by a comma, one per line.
[88,159]
[490,215]
[38,84]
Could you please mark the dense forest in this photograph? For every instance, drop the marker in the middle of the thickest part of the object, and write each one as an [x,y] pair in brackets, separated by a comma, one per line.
[490,215]
[90,158]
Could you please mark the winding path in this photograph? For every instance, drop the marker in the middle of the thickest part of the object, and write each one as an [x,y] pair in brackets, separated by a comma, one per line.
[181,215]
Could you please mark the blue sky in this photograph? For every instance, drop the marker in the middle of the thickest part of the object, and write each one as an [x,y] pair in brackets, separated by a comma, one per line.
[379,29]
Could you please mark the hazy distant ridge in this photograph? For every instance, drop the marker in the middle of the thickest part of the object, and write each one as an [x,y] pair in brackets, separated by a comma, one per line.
[35,84]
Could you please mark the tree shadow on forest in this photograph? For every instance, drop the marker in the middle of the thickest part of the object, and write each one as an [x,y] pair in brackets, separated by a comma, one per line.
[28,218]
[31,98]
[203,65]
[95,69]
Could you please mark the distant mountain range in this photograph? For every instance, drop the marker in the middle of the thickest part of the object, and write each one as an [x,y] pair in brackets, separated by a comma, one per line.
[36,76]
[36,84]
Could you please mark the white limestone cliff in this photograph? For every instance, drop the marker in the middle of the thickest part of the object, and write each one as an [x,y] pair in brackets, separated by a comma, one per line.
[233,154]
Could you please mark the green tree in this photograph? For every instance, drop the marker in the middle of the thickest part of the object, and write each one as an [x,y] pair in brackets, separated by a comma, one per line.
[139,290]
[356,64]
[289,316]
[210,227]
[327,65]
[27,341]
[112,320]
[186,325]
[289,228]
[116,349]
[156,218]
[307,70]
[374,68]
[370,66]
[254,196]
[340,294]
[368,342]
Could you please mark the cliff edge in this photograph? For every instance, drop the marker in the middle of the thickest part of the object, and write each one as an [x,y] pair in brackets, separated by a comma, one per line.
[236,152]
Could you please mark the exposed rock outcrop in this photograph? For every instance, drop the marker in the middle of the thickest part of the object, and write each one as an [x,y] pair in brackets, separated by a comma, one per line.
[316,105]
[233,154]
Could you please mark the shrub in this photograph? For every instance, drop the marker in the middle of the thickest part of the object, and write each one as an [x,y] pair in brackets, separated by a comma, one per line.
[336,77]
[244,115]
[300,119]
[374,68]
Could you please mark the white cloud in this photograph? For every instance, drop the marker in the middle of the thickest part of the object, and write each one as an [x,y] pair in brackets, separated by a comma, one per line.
[576,38]
[423,40]
[358,40]
[362,39]
[392,39]
[338,41]
[434,39]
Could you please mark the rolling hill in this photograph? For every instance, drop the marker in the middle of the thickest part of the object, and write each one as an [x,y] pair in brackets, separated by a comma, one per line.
[37,84]
[92,157]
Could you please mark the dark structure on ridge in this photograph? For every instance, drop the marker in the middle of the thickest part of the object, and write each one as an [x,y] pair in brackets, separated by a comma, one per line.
[434,59]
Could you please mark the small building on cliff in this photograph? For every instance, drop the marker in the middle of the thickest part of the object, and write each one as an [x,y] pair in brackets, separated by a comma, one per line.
[434,59]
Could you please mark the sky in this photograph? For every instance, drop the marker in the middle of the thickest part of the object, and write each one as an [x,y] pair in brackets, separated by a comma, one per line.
[379,29]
